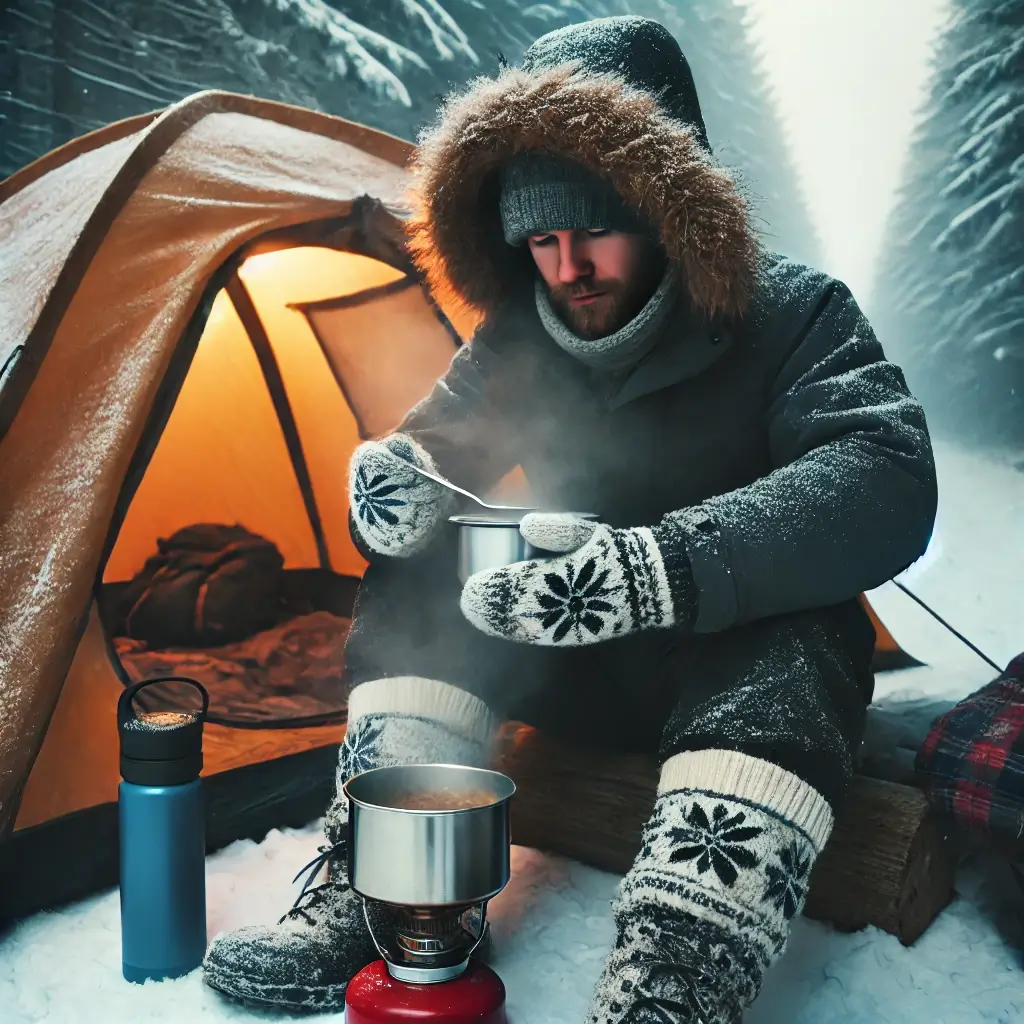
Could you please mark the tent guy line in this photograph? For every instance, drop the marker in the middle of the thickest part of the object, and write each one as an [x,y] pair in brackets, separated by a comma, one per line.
[938,618]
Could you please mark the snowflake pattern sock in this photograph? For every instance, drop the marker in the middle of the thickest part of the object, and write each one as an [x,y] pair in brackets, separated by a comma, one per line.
[408,720]
[603,583]
[306,960]
[707,905]
[395,510]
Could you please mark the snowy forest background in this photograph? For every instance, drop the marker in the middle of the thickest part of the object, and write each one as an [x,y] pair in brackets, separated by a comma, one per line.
[948,301]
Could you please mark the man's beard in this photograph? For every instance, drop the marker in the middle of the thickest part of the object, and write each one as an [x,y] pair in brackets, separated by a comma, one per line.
[607,314]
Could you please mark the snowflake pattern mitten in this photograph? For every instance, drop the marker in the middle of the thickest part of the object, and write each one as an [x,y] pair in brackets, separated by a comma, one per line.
[395,510]
[706,908]
[602,583]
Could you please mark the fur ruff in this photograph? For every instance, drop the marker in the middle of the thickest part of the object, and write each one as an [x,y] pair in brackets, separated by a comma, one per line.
[653,161]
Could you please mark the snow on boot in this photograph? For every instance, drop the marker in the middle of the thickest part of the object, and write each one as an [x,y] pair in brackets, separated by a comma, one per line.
[307,959]
[707,905]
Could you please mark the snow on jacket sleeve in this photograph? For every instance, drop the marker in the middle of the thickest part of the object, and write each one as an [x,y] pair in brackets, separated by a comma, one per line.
[853,498]
[463,422]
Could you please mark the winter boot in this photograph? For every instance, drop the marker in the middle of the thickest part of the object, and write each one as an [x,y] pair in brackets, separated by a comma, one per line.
[707,905]
[306,960]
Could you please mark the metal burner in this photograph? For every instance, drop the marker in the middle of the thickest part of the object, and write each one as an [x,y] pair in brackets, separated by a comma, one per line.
[426,944]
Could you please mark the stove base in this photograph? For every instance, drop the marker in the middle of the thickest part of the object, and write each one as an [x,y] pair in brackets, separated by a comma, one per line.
[475,997]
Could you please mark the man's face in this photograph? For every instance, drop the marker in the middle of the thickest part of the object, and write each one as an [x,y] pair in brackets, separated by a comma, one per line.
[598,280]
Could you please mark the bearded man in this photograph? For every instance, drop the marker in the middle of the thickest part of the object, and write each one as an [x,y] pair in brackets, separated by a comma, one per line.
[754,463]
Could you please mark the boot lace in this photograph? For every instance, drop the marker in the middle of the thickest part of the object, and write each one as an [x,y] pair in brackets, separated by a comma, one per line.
[660,1009]
[312,895]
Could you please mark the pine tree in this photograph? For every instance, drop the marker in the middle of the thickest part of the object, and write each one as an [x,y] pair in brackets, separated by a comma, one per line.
[73,65]
[744,128]
[950,295]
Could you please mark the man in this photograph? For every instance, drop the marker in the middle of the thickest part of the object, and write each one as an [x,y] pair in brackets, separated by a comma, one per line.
[754,464]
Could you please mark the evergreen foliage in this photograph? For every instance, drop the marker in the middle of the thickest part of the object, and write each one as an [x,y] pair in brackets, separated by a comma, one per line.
[70,66]
[950,293]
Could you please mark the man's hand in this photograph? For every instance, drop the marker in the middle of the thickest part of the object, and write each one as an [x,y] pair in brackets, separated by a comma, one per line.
[603,584]
[396,511]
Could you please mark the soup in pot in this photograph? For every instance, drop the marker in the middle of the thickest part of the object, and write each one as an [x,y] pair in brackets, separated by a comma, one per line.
[442,800]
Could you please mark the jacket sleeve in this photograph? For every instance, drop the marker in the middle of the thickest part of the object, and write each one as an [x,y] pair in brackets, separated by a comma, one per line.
[852,500]
[467,422]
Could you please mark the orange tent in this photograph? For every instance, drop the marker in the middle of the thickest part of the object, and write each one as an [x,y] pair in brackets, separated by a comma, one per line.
[203,310]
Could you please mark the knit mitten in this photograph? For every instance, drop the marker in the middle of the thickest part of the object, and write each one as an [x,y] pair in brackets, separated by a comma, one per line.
[394,510]
[307,959]
[603,583]
[707,905]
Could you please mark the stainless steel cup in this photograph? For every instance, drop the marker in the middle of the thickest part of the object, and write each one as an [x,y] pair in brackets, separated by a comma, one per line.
[427,858]
[490,541]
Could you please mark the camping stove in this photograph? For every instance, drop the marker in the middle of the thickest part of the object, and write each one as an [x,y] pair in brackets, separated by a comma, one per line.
[428,847]
[427,973]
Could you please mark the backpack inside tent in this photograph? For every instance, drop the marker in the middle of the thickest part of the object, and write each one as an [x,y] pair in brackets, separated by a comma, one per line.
[204,310]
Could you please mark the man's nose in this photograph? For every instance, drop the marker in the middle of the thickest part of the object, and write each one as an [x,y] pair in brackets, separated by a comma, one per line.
[572,260]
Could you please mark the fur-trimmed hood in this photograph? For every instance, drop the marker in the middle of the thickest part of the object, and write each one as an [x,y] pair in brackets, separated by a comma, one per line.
[655,162]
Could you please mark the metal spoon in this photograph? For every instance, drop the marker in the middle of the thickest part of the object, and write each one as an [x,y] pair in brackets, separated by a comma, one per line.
[459,490]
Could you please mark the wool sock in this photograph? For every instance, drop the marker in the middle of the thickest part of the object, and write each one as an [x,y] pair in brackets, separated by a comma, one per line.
[408,720]
[706,908]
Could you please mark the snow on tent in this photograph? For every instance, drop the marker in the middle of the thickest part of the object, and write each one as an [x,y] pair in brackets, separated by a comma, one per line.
[203,311]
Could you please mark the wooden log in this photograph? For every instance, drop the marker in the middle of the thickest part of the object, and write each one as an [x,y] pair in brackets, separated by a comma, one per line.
[576,801]
[888,862]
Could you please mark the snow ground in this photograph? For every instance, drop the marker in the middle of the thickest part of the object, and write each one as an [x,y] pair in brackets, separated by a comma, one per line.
[552,929]
[972,573]
[552,926]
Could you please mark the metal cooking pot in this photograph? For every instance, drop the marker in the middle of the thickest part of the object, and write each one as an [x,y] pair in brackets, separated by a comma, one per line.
[491,541]
[428,858]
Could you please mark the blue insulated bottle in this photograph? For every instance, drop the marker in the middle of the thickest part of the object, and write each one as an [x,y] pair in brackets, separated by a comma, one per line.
[162,836]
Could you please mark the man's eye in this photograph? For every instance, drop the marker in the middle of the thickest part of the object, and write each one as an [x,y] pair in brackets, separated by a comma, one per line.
[541,239]
[598,232]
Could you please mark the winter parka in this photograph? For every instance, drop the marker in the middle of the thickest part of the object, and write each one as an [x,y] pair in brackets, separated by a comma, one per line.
[766,423]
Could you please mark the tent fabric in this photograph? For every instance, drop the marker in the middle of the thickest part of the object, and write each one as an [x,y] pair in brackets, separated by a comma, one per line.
[201,471]
[77,766]
[224,414]
[383,333]
[50,216]
[196,185]
[888,653]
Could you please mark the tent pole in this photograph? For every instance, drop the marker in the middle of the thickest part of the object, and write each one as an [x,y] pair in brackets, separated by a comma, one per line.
[253,326]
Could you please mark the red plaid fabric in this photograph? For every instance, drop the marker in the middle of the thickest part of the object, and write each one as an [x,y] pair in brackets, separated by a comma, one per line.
[972,761]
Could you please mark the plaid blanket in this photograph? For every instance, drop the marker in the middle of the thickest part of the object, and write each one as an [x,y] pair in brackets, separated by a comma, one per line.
[972,761]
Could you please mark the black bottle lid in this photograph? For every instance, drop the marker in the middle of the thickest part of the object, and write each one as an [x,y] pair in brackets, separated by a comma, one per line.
[160,748]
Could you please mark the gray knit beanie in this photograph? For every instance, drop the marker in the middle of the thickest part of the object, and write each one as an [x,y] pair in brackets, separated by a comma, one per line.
[541,192]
